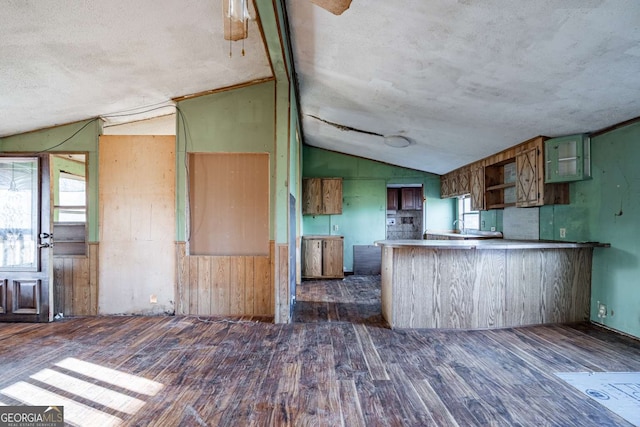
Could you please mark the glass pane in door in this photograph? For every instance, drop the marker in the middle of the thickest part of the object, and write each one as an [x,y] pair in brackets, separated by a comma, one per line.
[19,213]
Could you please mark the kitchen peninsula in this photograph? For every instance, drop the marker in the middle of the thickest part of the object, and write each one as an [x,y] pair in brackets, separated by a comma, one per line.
[484,283]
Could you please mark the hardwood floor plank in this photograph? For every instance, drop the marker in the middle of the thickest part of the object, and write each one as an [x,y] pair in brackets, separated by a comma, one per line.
[349,370]
[350,408]
[374,364]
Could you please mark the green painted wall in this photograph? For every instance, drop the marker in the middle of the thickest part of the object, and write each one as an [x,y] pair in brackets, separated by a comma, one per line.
[363,218]
[606,208]
[235,121]
[491,219]
[62,139]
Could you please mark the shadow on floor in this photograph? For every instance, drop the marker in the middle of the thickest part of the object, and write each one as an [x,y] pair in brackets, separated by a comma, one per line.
[355,299]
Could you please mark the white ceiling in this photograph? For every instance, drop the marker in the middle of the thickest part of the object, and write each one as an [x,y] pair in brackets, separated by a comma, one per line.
[460,79]
[68,60]
[463,79]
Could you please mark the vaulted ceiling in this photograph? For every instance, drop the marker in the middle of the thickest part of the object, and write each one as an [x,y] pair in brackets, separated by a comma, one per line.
[455,80]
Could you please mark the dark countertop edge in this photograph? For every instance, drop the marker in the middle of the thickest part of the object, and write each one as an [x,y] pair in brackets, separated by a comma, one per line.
[322,236]
[488,244]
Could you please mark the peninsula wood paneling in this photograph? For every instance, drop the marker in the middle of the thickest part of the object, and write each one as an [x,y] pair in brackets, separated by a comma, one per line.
[445,288]
[224,285]
[75,283]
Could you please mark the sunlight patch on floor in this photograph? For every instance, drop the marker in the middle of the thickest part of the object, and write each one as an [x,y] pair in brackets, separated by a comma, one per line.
[104,396]
[112,376]
[74,412]
[106,400]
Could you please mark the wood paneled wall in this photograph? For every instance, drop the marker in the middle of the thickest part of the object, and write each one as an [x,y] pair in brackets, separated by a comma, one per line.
[75,283]
[224,285]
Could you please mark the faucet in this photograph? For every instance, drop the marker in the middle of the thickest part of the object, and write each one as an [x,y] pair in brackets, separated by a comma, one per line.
[460,224]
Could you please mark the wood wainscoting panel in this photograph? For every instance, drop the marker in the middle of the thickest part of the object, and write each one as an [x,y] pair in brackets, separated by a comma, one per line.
[283,302]
[224,285]
[75,283]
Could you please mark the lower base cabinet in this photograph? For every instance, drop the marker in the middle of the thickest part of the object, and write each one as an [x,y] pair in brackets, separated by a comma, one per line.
[322,257]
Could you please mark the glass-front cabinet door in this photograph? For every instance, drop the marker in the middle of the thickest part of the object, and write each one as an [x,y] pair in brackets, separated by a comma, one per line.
[567,158]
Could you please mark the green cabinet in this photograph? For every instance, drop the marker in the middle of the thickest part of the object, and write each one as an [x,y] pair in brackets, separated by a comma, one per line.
[567,158]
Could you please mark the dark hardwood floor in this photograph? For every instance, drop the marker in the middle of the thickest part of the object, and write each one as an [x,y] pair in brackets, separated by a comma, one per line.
[338,365]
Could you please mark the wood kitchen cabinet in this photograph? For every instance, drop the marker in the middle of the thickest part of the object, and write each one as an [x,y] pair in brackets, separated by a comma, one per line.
[456,183]
[392,199]
[567,158]
[476,186]
[445,188]
[411,198]
[500,182]
[322,257]
[322,196]
[463,181]
[531,189]
[516,176]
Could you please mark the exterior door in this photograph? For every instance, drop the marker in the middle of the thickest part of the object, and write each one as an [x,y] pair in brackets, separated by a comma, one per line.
[25,239]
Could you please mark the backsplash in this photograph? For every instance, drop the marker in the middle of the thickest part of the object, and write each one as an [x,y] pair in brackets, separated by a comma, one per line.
[521,223]
[407,225]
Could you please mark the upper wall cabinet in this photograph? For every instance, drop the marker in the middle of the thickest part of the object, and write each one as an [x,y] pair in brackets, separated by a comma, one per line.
[531,189]
[476,186]
[463,181]
[567,158]
[445,188]
[455,183]
[411,198]
[322,196]
[392,199]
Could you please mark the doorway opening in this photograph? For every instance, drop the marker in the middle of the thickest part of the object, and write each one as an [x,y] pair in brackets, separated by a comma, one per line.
[405,213]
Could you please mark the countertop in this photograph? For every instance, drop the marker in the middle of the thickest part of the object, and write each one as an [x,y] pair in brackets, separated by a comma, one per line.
[467,235]
[322,236]
[488,244]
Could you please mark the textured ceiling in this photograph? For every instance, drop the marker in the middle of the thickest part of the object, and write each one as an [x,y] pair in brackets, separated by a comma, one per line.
[462,79]
[68,60]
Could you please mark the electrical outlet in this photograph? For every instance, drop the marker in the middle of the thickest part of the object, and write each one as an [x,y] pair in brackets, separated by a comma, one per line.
[602,310]
[563,233]
[153,299]
[336,227]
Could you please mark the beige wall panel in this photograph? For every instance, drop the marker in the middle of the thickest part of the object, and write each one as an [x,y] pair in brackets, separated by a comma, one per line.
[229,204]
[137,224]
